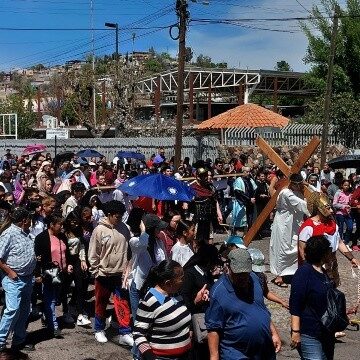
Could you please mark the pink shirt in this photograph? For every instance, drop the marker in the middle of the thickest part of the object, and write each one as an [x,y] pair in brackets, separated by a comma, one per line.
[341,200]
[58,251]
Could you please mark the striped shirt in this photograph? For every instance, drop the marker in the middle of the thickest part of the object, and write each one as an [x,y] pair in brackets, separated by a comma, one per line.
[162,325]
[17,250]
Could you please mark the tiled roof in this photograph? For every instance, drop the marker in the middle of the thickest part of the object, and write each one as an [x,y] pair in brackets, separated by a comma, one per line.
[248,115]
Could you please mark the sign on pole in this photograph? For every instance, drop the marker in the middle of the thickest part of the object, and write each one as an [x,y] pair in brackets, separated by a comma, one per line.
[60,133]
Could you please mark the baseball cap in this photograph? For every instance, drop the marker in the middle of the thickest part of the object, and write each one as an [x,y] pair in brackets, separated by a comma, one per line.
[257,259]
[240,261]
[153,221]
[236,240]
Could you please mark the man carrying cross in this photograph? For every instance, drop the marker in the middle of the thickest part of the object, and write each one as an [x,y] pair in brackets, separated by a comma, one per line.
[290,210]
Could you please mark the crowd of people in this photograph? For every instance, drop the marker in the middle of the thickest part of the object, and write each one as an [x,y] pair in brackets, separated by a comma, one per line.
[66,225]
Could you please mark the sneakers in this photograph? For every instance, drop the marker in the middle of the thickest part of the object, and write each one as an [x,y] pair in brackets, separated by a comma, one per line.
[83,320]
[68,319]
[112,323]
[126,339]
[101,337]
[23,347]
[356,248]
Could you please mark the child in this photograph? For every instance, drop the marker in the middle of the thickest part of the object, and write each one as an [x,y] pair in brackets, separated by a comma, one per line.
[258,267]
[183,250]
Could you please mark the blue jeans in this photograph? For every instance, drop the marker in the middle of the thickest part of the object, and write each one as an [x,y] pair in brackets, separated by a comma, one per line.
[17,308]
[314,349]
[51,294]
[134,295]
[341,220]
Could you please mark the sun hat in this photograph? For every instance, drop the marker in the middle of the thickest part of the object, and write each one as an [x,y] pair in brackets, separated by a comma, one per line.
[240,261]
[257,260]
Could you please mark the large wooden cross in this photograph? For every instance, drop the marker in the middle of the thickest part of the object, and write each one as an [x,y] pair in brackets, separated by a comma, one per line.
[279,162]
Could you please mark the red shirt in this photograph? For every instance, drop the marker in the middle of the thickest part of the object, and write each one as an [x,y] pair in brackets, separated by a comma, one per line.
[355,197]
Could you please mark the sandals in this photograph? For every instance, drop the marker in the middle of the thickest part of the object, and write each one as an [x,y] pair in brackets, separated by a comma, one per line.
[339,334]
[278,283]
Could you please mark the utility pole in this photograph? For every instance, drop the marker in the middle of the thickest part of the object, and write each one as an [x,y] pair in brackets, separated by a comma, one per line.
[93,63]
[329,80]
[182,12]
[116,27]
[38,106]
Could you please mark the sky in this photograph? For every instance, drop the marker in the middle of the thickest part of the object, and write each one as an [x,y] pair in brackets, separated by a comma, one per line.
[256,44]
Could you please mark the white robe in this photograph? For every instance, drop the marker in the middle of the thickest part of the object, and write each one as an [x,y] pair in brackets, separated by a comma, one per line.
[290,210]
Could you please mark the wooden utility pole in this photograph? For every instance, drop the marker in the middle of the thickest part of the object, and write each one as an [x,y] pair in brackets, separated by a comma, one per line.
[182,12]
[329,80]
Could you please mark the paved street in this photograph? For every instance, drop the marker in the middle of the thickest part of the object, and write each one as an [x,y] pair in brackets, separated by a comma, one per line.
[79,343]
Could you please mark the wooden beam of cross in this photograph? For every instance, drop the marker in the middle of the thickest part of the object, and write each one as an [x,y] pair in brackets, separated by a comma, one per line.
[278,161]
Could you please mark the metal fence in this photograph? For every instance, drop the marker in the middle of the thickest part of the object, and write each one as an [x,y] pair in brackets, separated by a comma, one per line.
[291,135]
[194,148]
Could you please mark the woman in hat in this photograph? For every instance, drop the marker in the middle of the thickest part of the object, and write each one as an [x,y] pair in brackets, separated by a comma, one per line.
[290,210]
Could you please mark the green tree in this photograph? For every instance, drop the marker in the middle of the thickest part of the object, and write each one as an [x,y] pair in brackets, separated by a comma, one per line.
[283,65]
[204,61]
[347,55]
[26,119]
[346,83]
[343,116]
[38,67]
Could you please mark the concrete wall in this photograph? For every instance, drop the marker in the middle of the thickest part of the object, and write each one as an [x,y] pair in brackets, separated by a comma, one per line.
[194,148]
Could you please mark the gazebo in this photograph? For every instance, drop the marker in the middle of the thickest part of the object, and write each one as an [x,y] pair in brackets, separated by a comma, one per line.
[247,116]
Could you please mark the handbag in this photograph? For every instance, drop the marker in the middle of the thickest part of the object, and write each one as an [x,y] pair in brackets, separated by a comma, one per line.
[199,328]
[53,273]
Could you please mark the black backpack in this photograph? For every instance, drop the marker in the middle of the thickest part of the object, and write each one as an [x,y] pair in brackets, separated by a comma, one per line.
[335,319]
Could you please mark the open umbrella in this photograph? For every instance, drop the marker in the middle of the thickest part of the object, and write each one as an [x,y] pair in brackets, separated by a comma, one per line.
[345,162]
[89,153]
[158,159]
[131,155]
[64,156]
[158,187]
[34,149]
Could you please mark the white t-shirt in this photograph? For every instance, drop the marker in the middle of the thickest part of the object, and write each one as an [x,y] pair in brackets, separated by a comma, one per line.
[141,259]
[181,253]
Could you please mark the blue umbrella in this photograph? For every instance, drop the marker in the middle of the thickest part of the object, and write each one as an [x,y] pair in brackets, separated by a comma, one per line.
[158,187]
[82,161]
[89,153]
[158,159]
[131,155]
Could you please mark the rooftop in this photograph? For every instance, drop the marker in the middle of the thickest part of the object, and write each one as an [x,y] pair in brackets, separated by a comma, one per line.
[248,115]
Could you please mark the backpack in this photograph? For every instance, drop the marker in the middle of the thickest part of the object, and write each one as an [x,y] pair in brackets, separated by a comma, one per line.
[334,318]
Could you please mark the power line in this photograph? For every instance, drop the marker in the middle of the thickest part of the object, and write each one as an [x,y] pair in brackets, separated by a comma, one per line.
[303,7]
[282,19]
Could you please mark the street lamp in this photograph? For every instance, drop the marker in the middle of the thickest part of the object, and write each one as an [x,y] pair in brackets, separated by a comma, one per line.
[116,27]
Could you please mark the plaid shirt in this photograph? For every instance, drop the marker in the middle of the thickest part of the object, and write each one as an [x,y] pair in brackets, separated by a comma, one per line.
[17,250]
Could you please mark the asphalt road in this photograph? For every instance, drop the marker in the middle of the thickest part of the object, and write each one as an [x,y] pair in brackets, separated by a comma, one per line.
[79,343]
